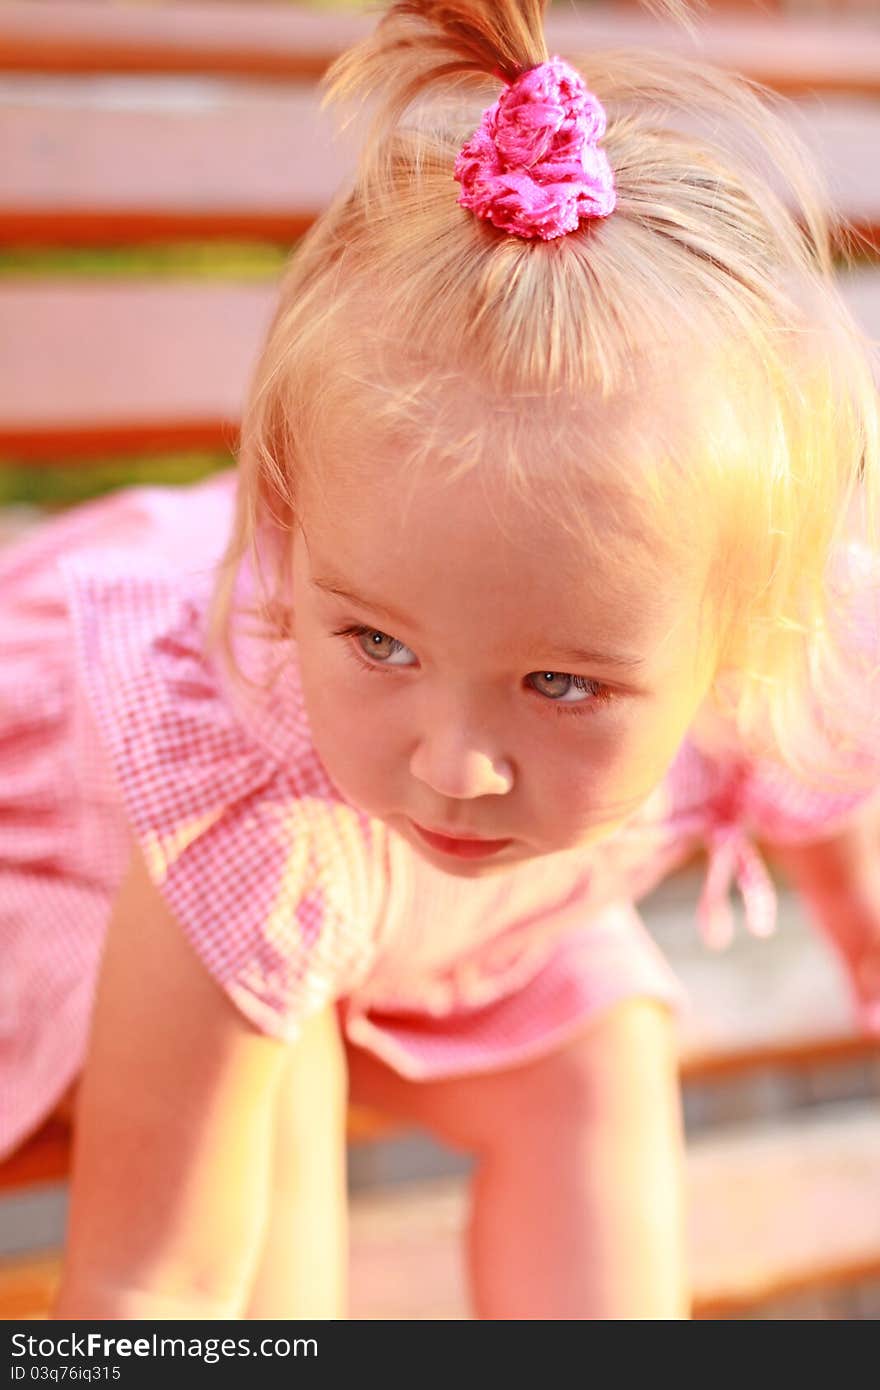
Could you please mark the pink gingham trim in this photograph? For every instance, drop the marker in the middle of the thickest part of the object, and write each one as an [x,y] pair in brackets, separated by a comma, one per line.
[225,829]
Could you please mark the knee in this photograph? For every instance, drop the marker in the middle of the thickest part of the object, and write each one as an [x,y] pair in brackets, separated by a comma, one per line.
[611,1073]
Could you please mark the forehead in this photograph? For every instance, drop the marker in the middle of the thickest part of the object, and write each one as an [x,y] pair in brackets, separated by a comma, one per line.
[473,553]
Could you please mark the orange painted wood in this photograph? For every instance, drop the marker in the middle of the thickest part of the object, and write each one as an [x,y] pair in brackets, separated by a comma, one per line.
[837,52]
[781,1003]
[27,1285]
[97,366]
[363,1125]
[844,135]
[244,39]
[775,1210]
[82,167]
[102,366]
[84,164]
[779,1208]
[44,1158]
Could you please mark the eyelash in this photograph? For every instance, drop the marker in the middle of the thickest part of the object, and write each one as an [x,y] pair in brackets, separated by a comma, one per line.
[602,694]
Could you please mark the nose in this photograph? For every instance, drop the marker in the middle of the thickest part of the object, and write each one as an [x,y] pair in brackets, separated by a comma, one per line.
[460,767]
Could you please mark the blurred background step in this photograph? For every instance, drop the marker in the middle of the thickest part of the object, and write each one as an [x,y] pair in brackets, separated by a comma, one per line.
[125,365]
[834,50]
[785,1206]
[159,167]
[112,160]
[781,1001]
[129,365]
[777,1211]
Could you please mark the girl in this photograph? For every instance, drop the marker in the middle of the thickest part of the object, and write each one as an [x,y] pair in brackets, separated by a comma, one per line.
[550,557]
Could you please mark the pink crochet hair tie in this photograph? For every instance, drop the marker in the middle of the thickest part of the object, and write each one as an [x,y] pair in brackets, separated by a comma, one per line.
[534,167]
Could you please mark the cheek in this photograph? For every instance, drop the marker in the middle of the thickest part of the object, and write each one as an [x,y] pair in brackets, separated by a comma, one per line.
[336,717]
[345,744]
[639,754]
[569,773]
[611,771]
[347,715]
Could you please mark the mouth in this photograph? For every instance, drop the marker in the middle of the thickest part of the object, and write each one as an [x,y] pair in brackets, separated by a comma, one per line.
[459,845]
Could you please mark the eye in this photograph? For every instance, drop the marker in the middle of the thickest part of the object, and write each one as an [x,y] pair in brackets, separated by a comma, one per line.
[378,645]
[380,642]
[598,694]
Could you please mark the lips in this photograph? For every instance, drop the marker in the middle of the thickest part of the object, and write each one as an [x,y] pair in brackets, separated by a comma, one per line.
[461,846]
[455,834]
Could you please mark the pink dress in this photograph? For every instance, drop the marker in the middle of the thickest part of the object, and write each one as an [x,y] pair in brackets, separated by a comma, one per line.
[114,724]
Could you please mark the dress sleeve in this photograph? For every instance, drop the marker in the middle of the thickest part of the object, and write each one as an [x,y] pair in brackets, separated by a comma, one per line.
[843,725]
[225,825]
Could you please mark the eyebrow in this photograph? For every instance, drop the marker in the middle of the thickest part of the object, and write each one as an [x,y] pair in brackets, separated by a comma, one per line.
[578,655]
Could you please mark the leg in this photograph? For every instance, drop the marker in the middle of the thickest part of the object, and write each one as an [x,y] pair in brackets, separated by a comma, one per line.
[303,1266]
[581,1214]
[578,1198]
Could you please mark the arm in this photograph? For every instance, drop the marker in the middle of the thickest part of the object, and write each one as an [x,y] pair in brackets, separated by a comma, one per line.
[838,879]
[843,865]
[171,1151]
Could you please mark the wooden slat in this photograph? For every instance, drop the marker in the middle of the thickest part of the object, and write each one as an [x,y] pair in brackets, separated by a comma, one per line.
[243,39]
[43,1159]
[94,366]
[781,1002]
[89,162]
[845,137]
[273,40]
[27,1285]
[786,1207]
[86,163]
[364,1125]
[774,1211]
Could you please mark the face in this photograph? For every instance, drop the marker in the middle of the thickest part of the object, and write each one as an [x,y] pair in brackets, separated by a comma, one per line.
[468,669]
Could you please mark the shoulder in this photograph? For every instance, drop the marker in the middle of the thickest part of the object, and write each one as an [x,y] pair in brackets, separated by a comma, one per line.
[223,790]
[160,697]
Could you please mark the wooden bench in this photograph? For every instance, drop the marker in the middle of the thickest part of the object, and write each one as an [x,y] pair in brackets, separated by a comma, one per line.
[130,125]
[750,1245]
[834,53]
[779,1206]
[88,160]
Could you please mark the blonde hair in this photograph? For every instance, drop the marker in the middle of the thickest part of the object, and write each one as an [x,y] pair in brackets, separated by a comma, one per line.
[720,252]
